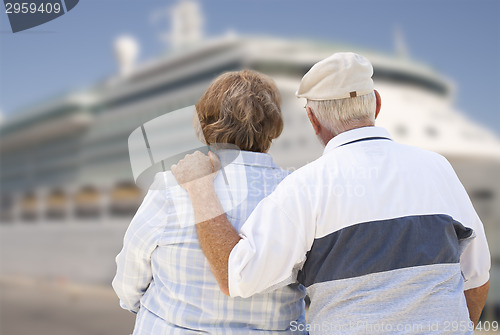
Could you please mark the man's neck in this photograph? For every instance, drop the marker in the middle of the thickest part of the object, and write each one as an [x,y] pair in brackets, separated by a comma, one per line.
[325,139]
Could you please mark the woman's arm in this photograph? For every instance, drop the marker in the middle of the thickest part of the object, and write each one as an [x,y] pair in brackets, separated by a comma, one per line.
[133,274]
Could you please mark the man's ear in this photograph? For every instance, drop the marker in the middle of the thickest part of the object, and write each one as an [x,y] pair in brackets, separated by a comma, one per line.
[379,103]
[314,121]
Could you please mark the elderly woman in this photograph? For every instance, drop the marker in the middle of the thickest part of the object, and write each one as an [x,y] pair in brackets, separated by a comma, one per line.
[162,273]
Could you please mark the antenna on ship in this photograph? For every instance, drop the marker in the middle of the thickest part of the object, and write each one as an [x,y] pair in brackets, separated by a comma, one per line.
[186,24]
[400,43]
[126,52]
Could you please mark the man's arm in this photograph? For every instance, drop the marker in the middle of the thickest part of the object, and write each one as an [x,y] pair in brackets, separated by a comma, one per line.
[265,255]
[216,234]
[476,298]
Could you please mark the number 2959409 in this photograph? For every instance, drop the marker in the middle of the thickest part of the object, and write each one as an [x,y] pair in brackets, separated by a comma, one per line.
[32,8]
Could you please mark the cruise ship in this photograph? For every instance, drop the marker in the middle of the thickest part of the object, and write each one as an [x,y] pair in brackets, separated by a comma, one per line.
[67,187]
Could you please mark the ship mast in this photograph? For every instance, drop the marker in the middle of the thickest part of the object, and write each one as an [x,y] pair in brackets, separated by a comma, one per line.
[400,43]
[186,24]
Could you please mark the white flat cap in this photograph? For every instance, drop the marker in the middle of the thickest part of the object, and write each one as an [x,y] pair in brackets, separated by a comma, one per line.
[342,75]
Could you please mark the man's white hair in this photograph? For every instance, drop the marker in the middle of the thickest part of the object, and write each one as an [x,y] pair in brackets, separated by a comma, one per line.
[344,114]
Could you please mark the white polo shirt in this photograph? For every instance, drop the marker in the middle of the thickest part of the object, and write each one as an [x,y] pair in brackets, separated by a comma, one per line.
[383,235]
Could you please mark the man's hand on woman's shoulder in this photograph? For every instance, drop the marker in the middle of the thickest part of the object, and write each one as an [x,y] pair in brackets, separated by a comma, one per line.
[196,170]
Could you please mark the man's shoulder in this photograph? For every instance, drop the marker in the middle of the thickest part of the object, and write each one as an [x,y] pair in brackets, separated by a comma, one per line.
[421,154]
[304,175]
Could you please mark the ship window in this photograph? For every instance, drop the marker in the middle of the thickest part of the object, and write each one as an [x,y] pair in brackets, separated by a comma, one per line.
[302,141]
[401,130]
[285,144]
[280,68]
[6,209]
[125,199]
[87,203]
[56,205]
[431,131]
[399,77]
[29,207]
[482,195]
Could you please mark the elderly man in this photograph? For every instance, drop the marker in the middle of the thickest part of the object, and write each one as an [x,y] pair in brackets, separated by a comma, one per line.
[383,235]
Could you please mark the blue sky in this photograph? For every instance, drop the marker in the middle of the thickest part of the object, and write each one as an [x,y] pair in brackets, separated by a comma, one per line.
[460,39]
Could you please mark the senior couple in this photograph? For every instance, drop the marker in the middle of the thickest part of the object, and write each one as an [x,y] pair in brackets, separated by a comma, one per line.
[405,255]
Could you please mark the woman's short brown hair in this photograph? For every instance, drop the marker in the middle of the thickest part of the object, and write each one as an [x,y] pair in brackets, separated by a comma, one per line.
[241,108]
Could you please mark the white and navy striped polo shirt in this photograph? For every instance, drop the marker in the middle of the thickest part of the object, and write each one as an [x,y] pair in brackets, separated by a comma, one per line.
[383,235]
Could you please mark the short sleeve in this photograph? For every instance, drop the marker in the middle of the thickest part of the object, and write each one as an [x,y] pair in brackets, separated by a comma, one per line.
[475,260]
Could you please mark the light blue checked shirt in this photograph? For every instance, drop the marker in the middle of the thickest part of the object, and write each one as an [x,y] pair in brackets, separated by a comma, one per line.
[163,275]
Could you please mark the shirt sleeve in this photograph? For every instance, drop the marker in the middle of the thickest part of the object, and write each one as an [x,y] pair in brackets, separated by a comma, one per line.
[275,240]
[133,263]
[475,260]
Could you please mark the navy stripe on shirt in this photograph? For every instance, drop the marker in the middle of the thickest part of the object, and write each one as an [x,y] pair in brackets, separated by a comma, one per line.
[383,245]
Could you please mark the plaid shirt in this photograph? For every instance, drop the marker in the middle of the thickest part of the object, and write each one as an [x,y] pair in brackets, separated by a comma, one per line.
[163,275]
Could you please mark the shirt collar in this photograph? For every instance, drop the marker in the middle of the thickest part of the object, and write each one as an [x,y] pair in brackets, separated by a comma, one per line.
[354,135]
[248,158]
